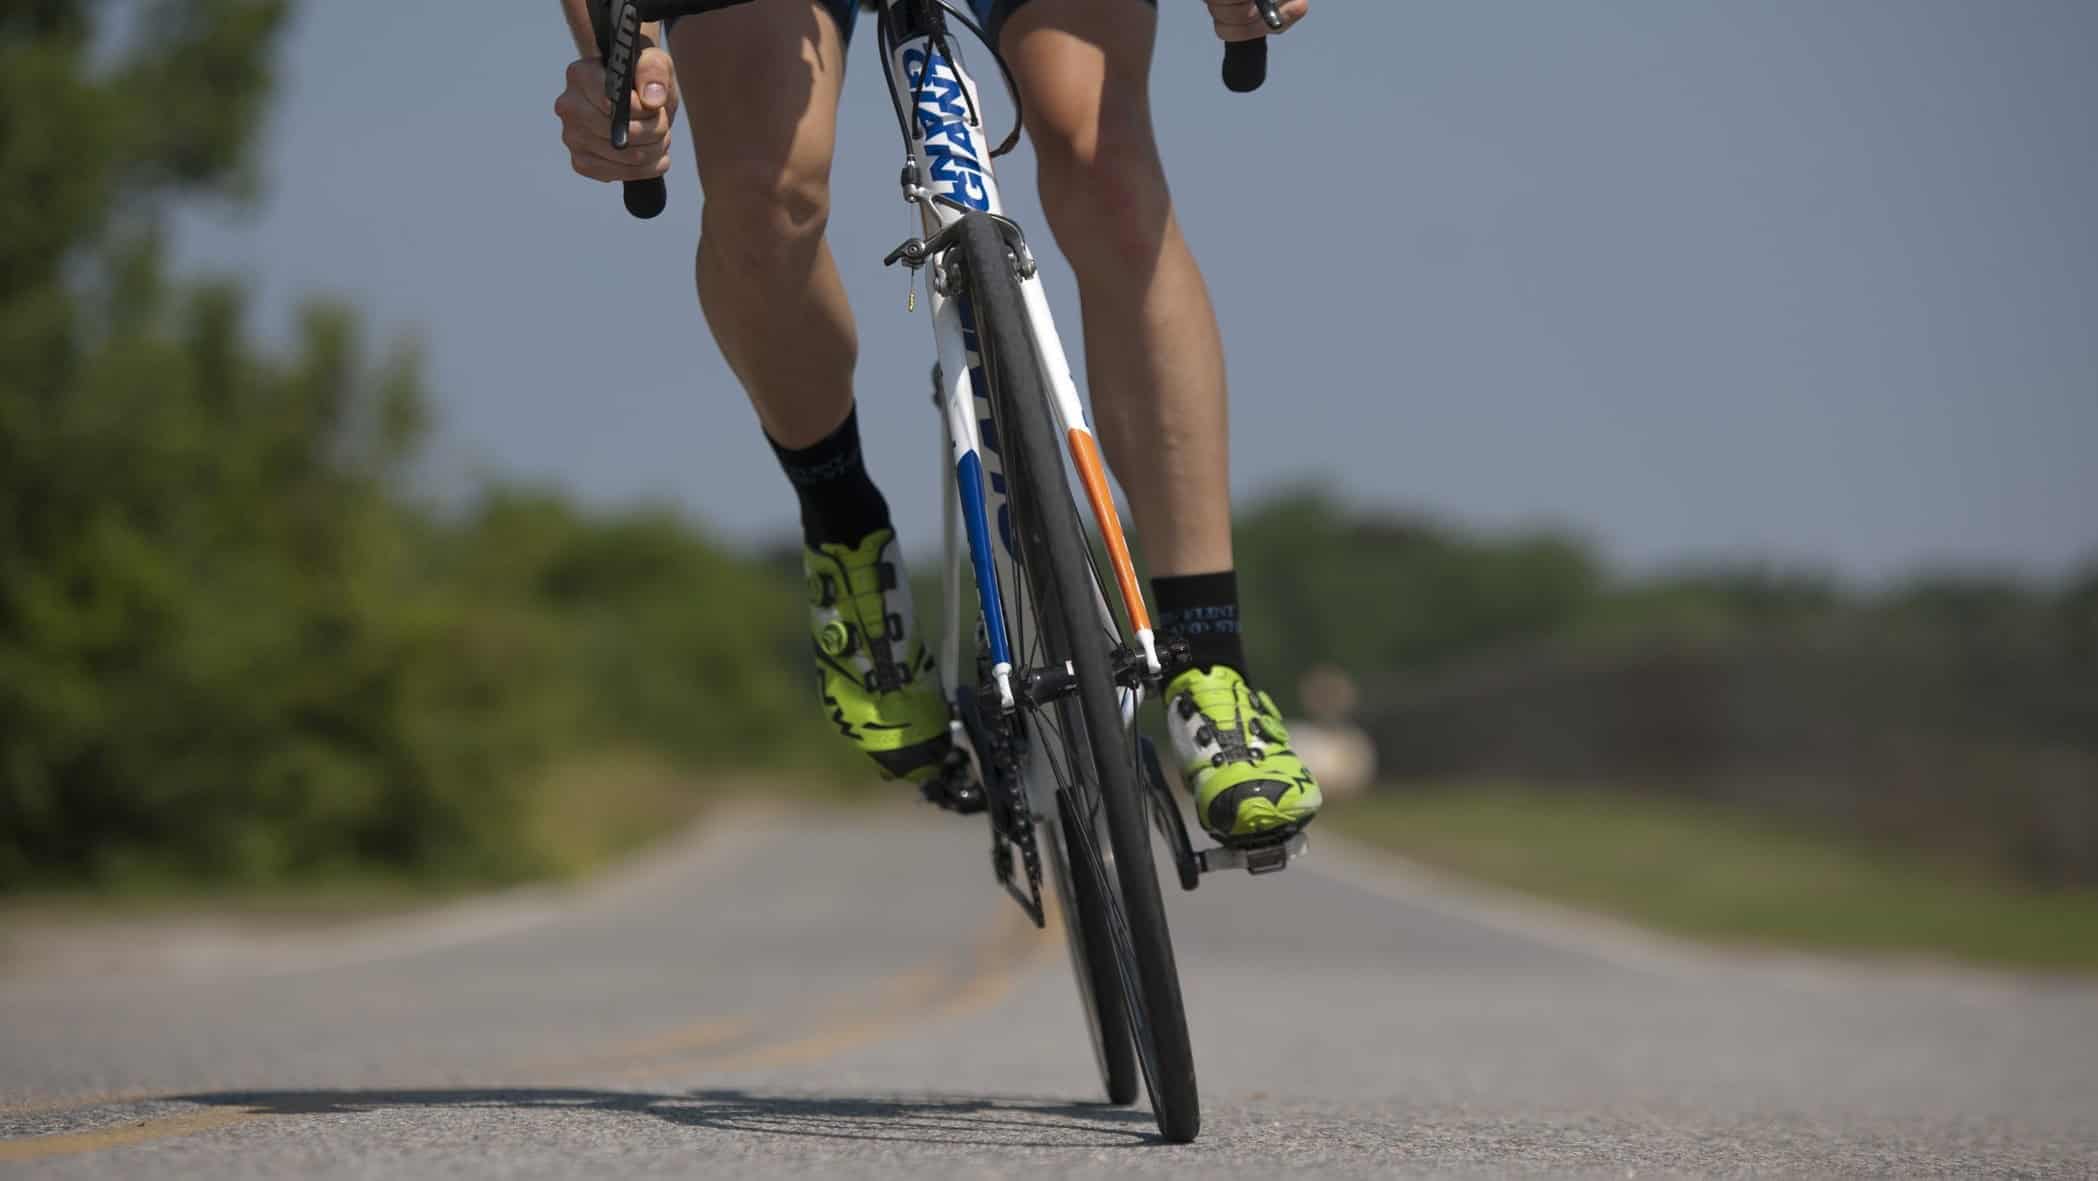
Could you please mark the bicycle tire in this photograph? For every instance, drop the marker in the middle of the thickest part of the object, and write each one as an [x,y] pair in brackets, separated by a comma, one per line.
[1054,560]
[1114,1047]
[1080,894]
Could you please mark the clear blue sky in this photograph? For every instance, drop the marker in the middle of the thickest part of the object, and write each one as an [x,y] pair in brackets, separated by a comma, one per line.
[1808,281]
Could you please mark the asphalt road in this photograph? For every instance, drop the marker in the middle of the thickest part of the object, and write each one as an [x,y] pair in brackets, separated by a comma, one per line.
[849,995]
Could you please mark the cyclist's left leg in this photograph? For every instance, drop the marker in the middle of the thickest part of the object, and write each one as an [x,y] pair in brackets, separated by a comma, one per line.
[1156,369]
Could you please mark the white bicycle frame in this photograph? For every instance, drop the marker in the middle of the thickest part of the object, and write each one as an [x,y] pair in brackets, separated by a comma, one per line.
[948,173]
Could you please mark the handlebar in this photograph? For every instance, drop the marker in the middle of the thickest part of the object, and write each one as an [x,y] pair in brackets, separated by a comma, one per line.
[1246,62]
[617,26]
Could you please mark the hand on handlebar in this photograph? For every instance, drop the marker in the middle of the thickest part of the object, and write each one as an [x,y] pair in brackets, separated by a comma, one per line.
[1242,20]
[584,108]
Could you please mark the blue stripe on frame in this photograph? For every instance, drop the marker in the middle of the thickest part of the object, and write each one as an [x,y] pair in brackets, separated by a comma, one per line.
[968,473]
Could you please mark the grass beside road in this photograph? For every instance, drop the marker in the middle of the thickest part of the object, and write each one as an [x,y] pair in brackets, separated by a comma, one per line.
[591,813]
[1716,873]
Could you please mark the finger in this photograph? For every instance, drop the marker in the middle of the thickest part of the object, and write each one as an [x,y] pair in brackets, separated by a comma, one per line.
[1237,20]
[649,128]
[586,78]
[593,144]
[654,81]
[576,109]
[1241,21]
[605,170]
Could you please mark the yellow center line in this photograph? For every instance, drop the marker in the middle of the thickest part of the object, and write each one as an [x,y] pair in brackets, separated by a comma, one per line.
[28,1148]
[80,1102]
[986,974]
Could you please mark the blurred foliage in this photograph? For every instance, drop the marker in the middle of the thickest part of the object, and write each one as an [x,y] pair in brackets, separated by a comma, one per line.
[1954,712]
[230,645]
[1372,591]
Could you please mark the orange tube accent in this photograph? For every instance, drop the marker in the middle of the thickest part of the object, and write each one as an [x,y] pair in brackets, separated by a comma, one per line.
[1085,456]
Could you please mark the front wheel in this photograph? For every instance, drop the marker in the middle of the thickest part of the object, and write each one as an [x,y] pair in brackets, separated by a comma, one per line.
[1089,749]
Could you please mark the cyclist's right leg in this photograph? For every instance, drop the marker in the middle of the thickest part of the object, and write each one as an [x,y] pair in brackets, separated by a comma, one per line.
[760,84]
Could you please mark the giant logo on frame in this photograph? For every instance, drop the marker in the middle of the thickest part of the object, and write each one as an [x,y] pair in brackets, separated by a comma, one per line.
[942,114]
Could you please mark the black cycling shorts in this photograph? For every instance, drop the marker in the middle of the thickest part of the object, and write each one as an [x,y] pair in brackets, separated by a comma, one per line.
[990,13]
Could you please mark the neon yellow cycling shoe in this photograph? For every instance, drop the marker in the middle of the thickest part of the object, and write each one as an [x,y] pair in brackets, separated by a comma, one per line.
[876,679]
[1234,751]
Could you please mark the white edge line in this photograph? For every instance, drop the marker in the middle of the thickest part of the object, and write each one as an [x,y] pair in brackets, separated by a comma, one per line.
[1352,862]
[1390,875]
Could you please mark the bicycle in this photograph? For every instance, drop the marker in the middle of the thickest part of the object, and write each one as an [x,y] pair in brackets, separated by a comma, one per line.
[1046,734]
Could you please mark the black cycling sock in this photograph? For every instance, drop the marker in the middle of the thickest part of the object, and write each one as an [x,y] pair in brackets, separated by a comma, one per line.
[839,503]
[1203,610]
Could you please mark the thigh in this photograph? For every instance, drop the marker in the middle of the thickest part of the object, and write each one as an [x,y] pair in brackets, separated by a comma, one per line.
[1084,71]
[759,83]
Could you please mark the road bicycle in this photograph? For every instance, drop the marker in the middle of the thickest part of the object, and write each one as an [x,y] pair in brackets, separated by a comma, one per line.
[1045,732]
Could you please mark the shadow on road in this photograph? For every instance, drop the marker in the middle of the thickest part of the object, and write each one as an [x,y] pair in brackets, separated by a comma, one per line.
[921,1119]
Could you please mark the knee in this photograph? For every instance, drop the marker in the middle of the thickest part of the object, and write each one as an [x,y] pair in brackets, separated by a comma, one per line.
[758,213]
[1104,192]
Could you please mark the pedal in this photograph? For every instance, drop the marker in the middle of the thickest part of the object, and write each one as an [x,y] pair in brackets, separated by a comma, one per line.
[1263,857]
[956,788]
[1267,861]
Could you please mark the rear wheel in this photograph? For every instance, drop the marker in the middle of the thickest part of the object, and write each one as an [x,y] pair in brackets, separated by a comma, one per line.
[1082,736]
[1093,961]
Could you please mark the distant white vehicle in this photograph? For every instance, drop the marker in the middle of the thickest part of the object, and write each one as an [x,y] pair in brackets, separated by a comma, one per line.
[1337,750]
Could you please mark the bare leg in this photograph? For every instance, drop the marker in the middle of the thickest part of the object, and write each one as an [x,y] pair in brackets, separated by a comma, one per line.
[1154,358]
[760,85]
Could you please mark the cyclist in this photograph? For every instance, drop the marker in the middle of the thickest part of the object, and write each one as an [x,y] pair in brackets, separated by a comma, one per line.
[760,82]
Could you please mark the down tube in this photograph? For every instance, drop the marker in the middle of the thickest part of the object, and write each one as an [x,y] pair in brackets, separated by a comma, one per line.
[954,550]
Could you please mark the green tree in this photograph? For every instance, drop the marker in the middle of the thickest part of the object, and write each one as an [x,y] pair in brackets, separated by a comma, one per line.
[1378,594]
[229,645]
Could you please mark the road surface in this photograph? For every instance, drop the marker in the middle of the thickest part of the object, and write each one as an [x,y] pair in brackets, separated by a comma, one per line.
[848,995]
